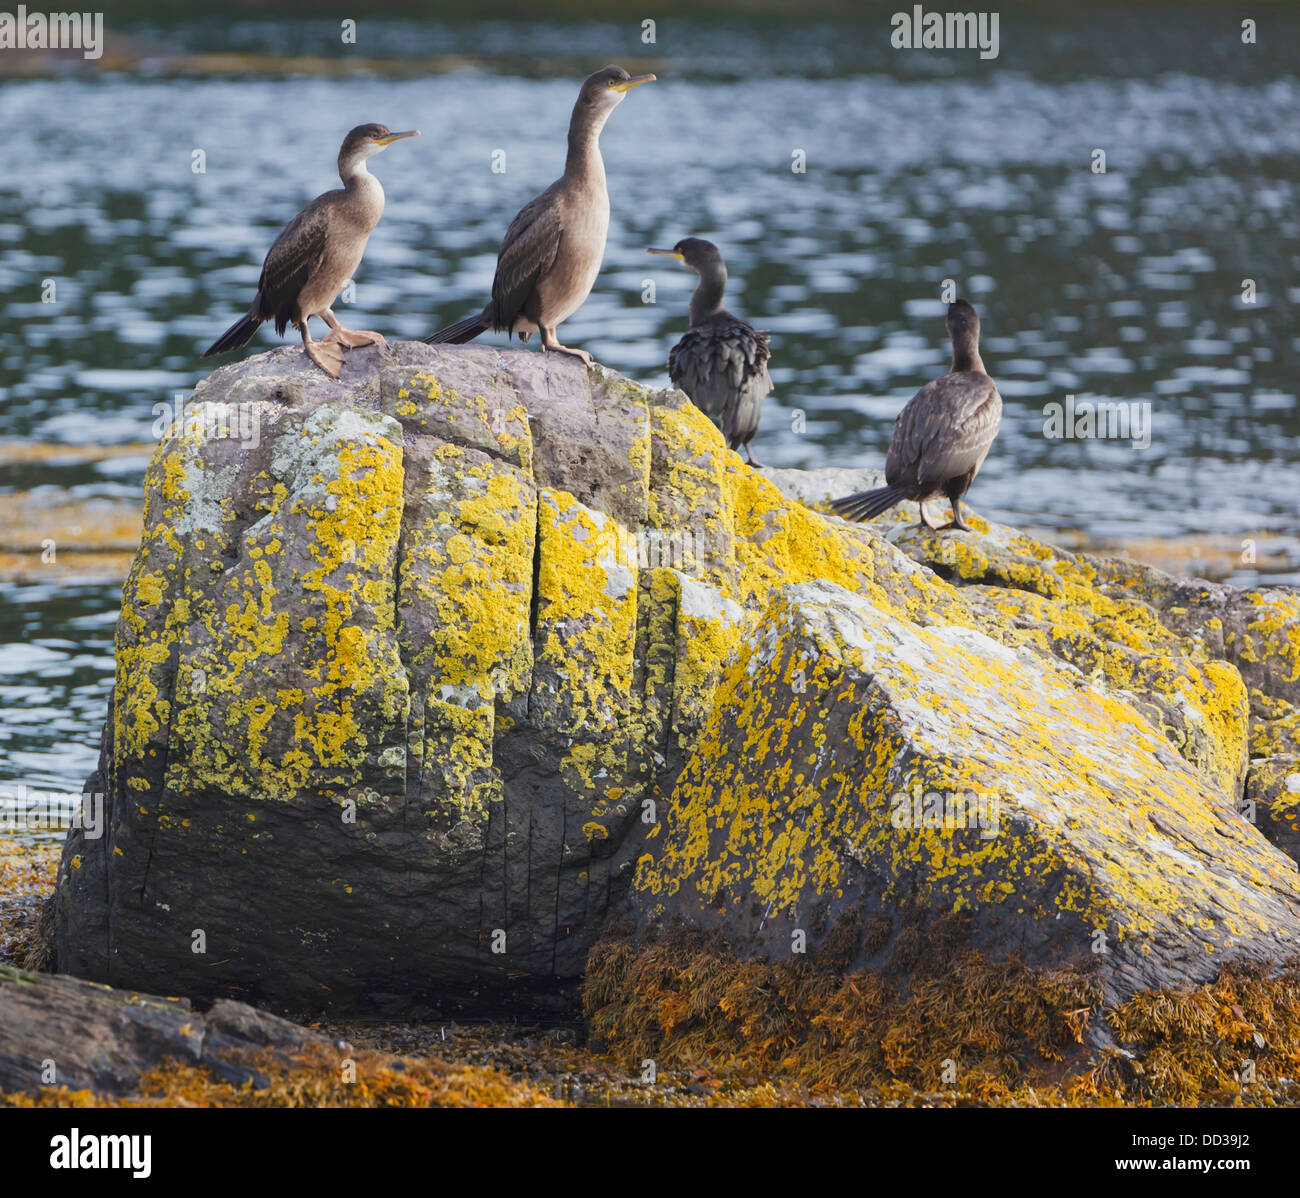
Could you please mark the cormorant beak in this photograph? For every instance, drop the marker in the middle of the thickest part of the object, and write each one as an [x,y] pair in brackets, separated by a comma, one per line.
[392,137]
[628,84]
[668,254]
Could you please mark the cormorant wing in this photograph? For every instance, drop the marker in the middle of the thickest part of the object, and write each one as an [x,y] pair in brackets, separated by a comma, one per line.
[722,365]
[945,429]
[527,252]
[290,261]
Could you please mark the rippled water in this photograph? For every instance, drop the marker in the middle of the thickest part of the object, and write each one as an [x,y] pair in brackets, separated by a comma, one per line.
[920,167]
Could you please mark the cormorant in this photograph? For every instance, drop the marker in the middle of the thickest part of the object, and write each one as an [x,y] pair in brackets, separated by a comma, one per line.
[552,252]
[721,363]
[316,254]
[942,436]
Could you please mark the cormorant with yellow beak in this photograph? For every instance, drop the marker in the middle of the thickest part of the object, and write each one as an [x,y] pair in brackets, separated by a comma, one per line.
[552,251]
[316,254]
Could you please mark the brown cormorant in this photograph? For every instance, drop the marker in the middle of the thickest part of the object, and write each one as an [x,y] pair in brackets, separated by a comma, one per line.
[316,254]
[942,436]
[552,252]
[721,362]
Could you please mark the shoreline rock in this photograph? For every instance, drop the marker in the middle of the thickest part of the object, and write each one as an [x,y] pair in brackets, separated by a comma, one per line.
[61,1031]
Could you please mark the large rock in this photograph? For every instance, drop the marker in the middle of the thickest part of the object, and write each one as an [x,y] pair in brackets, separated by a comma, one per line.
[414,672]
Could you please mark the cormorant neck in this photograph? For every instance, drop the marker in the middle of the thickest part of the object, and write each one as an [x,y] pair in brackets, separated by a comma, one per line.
[966,356]
[354,172]
[584,159]
[707,299]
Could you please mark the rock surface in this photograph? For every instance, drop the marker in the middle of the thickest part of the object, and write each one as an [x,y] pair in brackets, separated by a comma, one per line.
[58,1031]
[419,671]
[867,772]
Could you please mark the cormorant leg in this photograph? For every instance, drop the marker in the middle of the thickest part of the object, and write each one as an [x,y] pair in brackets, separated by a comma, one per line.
[749,457]
[549,341]
[352,338]
[328,357]
[925,520]
[954,497]
[957,521]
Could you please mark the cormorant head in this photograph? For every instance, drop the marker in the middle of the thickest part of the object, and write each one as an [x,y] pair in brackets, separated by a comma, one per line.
[607,87]
[700,255]
[963,323]
[367,140]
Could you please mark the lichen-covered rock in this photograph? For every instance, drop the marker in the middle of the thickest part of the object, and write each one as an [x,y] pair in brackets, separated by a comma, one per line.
[862,766]
[1117,622]
[413,671]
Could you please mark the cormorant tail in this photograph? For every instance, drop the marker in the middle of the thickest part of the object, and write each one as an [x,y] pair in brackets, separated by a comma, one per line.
[461,331]
[866,504]
[240,333]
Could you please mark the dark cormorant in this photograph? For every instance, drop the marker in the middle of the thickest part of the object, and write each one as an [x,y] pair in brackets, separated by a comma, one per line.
[942,436]
[721,363]
[316,254]
[552,252]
